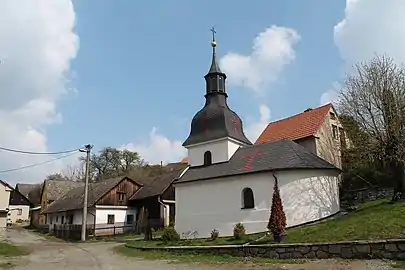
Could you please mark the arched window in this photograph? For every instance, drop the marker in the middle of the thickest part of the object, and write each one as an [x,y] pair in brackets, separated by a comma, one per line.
[248,200]
[207,158]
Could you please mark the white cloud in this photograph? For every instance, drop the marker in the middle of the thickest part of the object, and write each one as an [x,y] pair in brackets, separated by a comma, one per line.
[255,128]
[370,27]
[158,148]
[330,96]
[37,43]
[272,50]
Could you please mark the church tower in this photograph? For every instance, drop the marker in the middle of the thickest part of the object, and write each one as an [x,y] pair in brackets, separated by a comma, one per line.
[216,131]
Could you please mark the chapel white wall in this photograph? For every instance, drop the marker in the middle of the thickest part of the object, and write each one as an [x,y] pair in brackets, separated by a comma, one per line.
[205,205]
[221,151]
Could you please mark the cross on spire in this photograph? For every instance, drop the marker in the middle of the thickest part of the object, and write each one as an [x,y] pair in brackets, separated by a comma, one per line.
[213,33]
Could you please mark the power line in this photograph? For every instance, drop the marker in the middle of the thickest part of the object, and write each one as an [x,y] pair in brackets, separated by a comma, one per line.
[36,164]
[38,153]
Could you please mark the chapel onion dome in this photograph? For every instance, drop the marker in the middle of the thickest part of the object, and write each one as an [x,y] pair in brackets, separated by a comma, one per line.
[215,120]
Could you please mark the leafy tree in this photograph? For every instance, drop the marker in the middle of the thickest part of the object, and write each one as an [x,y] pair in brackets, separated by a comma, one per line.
[374,97]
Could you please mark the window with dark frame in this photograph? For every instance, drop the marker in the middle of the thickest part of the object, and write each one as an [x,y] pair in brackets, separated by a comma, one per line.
[248,201]
[207,158]
[130,219]
[110,219]
[334,132]
[19,212]
[62,220]
[342,137]
[57,218]
[332,115]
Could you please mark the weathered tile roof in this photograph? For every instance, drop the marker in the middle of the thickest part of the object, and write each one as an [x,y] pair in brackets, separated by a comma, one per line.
[74,198]
[295,127]
[34,195]
[25,189]
[55,189]
[280,155]
[157,185]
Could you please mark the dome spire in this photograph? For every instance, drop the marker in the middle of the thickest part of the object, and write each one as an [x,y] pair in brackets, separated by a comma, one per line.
[214,66]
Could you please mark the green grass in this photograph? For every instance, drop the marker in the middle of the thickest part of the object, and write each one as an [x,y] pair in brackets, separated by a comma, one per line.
[398,264]
[9,250]
[198,258]
[6,265]
[376,220]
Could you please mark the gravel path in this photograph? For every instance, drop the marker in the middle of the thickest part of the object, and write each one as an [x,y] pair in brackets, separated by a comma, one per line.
[50,255]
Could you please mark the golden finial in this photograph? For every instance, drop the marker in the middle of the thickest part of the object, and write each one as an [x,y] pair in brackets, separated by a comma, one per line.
[213,43]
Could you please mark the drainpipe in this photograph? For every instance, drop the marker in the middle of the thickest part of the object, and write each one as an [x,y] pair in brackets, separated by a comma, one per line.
[164,207]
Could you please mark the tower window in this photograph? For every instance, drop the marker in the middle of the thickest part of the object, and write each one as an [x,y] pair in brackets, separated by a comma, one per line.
[220,84]
[248,201]
[207,158]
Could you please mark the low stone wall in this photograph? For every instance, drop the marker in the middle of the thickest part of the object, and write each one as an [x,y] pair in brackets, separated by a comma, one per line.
[385,249]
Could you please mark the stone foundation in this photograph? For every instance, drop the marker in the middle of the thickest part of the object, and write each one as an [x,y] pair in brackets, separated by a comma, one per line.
[384,249]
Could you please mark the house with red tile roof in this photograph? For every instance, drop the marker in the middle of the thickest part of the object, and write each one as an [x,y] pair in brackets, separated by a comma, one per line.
[319,130]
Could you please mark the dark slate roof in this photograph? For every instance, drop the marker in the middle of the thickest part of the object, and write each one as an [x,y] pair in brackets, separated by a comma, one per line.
[215,121]
[55,189]
[34,195]
[280,155]
[25,189]
[74,198]
[157,185]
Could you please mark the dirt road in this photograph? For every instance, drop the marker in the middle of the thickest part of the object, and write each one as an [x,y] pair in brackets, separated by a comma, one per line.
[50,255]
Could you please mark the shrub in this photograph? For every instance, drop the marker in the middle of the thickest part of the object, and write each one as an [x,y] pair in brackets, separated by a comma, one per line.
[170,235]
[214,234]
[239,231]
[277,221]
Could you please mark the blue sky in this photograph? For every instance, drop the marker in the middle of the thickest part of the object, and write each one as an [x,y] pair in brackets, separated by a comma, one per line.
[141,64]
[138,68]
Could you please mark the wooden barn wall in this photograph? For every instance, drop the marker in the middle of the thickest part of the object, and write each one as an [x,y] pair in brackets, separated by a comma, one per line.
[111,198]
[16,198]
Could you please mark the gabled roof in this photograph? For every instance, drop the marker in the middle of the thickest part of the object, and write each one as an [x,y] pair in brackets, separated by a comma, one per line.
[157,185]
[273,156]
[25,189]
[295,127]
[74,198]
[6,185]
[34,195]
[55,189]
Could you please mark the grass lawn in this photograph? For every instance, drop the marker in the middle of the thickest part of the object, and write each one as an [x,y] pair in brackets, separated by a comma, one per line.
[9,250]
[198,258]
[371,221]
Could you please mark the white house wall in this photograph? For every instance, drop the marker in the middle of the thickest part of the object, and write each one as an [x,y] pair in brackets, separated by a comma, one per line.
[56,218]
[4,197]
[120,215]
[205,205]
[14,212]
[221,150]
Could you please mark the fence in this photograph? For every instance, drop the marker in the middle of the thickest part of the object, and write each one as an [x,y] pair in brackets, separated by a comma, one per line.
[366,194]
[73,231]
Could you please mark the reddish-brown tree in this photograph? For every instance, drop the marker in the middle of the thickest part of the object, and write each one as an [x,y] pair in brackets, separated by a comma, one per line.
[277,221]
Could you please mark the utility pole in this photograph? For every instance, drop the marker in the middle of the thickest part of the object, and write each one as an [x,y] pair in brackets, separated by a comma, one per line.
[87,150]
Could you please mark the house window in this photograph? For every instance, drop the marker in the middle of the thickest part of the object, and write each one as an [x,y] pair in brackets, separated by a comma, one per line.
[248,201]
[62,220]
[342,137]
[207,158]
[57,219]
[110,219]
[130,219]
[332,115]
[220,84]
[334,132]
[19,212]
[121,196]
